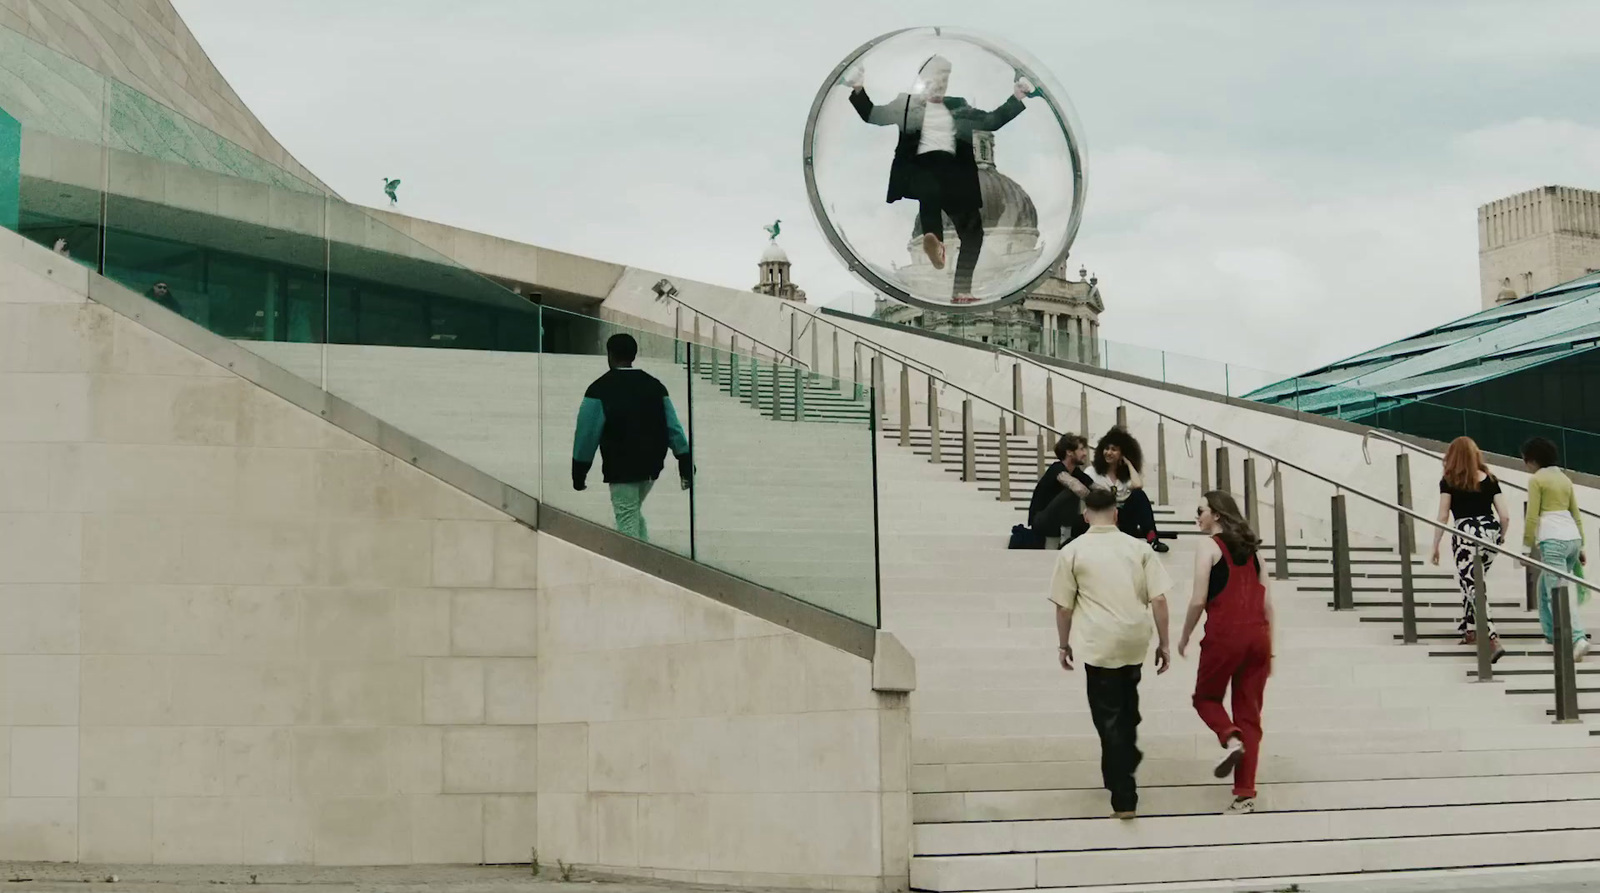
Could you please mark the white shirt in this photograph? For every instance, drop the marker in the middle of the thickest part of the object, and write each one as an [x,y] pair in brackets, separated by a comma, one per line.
[1121,488]
[1107,579]
[1558,526]
[938,129]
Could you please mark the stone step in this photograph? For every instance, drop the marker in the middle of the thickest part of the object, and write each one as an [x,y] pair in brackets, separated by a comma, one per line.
[1517,756]
[1498,835]
[1205,799]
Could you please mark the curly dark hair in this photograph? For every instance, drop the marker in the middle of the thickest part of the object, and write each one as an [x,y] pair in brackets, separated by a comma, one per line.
[1542,452]
[1118,437]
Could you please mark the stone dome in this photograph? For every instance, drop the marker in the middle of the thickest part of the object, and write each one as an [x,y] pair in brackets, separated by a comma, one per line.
[774,254]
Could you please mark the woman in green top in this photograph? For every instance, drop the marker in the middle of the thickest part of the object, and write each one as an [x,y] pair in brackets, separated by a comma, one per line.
[1553,533]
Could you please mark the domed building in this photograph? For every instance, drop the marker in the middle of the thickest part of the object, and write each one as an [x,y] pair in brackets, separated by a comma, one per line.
[775,275]
[1010,232]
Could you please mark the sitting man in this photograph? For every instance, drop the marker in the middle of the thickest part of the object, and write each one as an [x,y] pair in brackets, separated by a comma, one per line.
[1057,498]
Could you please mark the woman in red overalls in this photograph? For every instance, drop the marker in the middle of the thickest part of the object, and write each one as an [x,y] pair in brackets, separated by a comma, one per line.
[1230,588]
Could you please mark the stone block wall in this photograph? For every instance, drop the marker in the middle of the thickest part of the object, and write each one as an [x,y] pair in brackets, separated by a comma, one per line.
[231,632]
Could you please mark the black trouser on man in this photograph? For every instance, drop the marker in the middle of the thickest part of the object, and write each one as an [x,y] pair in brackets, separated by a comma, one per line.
[1114,703]
[937,172]
[1064,511]
[1136,516]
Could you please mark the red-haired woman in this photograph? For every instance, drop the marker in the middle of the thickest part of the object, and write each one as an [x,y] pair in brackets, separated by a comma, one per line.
[1470,500]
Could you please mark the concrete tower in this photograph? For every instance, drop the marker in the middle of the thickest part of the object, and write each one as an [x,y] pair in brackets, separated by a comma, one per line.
[775,280]
[1535,239]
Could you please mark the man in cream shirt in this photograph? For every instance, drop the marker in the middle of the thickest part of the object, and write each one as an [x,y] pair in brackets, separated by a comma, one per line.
[1110,591]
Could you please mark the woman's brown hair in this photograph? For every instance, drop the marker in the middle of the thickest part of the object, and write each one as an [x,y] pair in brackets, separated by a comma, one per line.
[1240,540]
[1462,464]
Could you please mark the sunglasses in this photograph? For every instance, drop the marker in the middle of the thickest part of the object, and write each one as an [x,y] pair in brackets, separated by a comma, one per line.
[1199,510]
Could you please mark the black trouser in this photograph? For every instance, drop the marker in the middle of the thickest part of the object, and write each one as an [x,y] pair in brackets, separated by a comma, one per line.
[1114,703]
[938,171]
[1063,511]
[1137,517]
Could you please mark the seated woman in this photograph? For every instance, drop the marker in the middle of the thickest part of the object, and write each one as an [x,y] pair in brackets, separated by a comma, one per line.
[1117,463]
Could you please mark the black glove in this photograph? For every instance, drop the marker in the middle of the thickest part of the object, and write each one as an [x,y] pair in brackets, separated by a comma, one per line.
[685,468]
[580,471]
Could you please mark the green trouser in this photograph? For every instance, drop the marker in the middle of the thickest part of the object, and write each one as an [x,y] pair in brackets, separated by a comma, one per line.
[1561,554]
[627,503]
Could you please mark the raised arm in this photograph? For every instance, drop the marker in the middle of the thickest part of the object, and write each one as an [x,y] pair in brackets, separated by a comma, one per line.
[1000,117]
[1135,479]
[881,115]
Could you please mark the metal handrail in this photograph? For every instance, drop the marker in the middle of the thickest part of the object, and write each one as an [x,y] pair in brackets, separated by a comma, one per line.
[875,345]
[1338,487]
[737,331]
[1384,435]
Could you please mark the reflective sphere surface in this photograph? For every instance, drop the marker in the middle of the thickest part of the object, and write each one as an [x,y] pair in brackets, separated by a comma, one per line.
[945,168]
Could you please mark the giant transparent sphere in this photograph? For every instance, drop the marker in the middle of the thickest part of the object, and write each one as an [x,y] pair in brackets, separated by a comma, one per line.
[945,168]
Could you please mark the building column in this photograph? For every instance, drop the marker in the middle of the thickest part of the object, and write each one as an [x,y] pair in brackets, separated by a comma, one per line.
[1094,343]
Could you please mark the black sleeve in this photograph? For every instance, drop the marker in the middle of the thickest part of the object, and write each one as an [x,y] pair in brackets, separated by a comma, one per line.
[1443,487]
[863,105]
[1491,486]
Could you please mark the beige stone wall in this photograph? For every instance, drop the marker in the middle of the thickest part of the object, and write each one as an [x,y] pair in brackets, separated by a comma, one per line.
[232,632]
[145,44]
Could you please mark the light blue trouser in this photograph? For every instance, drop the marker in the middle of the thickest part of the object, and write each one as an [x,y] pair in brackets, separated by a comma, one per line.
[627,503]
[1562,554]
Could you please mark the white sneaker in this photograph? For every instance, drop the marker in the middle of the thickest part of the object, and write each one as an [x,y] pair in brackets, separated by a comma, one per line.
[1579,650]
[1233,752]
[1240,806]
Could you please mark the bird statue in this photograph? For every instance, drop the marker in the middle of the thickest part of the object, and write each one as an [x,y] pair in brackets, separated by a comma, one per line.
[772,231]
[389,188]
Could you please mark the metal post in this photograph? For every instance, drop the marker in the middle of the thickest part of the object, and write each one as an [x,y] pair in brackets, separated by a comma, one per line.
[1224,470]
[694,349]
[715,364]
[905,405]
[794,333]
[1083,411]
[677,334]
[1280,527]
[855,370]
[1480,605]
[878,386]
[1050,400]
[1566,671]
[1344,596]
[1005,462]
[969,459]
[777,389]
[1161,460]
[755,383]
[1122,416]
[936,446]
[799,393]
[1016,398]
[836,385]
[1252,507]
[1408,547]
[814,364]
[1205,467]
[1042,463]
[733,367]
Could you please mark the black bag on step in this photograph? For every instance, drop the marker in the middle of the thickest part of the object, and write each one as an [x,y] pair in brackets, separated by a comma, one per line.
[1023,537]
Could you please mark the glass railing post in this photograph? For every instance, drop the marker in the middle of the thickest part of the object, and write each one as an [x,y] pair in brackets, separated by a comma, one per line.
[935,447]
[1224,470]
[969,459]
[1162,497]
[733,367]
[1005,461]
[1205,466]
[1083,411]
[1480,605]
[777,388]
[836,360]
[800,380]
[1122,416]
[755,383]
[880,399]
[813,374]
[1566,672]
[1344,596]
[1252,508]
[1408,546]
[715,363]
[1280,526]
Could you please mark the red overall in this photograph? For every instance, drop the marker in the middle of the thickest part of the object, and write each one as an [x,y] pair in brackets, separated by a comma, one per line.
[1237,649]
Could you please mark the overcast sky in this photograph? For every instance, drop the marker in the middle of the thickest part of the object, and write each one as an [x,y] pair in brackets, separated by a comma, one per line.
[1273,183]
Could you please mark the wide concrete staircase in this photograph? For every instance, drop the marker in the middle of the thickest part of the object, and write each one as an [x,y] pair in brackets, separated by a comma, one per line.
[1378,756]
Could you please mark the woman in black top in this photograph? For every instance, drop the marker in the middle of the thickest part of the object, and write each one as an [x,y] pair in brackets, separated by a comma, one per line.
[1470,495]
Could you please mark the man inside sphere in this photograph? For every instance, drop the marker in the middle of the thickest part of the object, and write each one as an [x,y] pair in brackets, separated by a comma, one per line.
[934,161]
